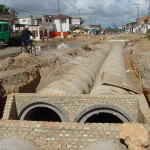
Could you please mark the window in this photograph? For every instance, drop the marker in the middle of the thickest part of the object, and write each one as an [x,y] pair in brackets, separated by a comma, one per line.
[46,19]
[50,19]
[5,27]
[63,20]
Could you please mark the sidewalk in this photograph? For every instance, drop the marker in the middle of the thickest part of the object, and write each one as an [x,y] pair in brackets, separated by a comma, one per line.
[13,51]
[9,51]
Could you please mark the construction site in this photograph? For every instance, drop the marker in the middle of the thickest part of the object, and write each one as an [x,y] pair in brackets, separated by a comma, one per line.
[93,95]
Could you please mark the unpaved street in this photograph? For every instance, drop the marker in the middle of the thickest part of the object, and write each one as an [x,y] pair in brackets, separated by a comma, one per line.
[107,72]
[30,73]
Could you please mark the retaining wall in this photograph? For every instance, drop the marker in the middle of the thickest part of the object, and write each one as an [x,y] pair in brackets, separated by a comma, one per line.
[74,105]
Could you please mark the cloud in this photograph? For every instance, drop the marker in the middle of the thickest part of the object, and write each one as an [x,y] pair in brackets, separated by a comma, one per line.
[104,12]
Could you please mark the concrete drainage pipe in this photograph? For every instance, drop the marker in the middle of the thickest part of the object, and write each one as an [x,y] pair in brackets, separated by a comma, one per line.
[113,65]
[80,79]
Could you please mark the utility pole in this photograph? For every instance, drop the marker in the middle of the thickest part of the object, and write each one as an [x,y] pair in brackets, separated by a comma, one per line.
[78,14]
[138,11]
[90,25]
[129,26]
[149,11]
[62,36]
[79,18]
[125,25]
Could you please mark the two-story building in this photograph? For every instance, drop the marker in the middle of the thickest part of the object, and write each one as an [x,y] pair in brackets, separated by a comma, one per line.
[143,24]
[48,26]
[40,26]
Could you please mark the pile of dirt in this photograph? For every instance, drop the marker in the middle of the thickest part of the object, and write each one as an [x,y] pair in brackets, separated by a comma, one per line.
[24,81]
[21,61]
[135,136]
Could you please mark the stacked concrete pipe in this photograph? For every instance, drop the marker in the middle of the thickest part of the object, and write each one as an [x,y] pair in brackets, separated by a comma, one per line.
[80,79]
[112,66]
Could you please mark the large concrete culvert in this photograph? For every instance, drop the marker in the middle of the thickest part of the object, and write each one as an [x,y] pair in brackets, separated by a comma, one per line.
[80,79]
[112,77]
[42,111]
[103,114]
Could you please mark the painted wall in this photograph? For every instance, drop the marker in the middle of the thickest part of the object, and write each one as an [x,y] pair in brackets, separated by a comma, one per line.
[65,25]
[25,21]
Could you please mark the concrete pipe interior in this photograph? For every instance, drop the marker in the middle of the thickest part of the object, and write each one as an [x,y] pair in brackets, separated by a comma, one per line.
[103,114]
[103,118]
[42,114]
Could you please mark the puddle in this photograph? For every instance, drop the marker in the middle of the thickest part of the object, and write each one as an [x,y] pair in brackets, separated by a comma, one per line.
[63,46]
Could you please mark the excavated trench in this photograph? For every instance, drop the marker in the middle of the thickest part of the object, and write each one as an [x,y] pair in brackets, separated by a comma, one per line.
[94,77]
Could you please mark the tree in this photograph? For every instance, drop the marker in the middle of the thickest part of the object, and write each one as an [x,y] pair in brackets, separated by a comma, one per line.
[82,20]
[4,10]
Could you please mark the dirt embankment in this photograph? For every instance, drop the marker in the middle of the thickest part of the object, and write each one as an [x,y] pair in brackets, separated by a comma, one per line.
[140,56]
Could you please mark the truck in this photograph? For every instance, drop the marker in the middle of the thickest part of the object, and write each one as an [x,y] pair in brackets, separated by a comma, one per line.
[7,37]
[4,33]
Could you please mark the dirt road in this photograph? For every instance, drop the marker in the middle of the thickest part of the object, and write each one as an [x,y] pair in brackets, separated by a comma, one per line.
[30,73]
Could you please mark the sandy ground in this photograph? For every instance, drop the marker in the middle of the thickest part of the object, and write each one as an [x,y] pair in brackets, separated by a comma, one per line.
[139,48]
[27,73]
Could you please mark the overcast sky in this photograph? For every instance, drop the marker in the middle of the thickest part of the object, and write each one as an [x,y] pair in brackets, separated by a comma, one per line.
[104,12]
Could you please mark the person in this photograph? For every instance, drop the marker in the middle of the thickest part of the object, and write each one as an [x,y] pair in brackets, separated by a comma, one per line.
[25,37]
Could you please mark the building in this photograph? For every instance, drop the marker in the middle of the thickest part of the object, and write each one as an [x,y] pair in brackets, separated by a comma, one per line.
[11,19]
[143,24]
[42,26]
[49,26]
[61,23]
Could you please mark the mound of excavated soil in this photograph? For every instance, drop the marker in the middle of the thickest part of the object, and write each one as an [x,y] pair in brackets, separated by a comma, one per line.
[21,61]
[24,81]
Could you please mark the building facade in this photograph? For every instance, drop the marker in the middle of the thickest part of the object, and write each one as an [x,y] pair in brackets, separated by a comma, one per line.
[51,26]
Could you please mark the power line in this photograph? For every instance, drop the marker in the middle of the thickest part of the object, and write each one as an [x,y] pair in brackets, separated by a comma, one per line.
[20,5]
[26,11]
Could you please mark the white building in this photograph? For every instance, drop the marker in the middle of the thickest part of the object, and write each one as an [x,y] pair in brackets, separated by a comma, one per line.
[43,26]
[61,23]
[25,21]
[143,25]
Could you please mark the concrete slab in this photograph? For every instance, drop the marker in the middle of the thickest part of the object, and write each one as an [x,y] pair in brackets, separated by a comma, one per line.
[115,80]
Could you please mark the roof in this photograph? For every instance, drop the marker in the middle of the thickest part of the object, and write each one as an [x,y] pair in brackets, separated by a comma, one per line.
[62,16]
[7,17]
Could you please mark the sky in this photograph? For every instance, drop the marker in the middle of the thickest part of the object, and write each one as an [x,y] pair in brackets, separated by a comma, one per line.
[104,12]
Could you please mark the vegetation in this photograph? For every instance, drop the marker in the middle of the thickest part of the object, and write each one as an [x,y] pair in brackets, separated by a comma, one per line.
[148,36]
[81,20]
[4,10]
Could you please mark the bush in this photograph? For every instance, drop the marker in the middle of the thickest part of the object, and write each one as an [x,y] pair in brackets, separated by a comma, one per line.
[148,37]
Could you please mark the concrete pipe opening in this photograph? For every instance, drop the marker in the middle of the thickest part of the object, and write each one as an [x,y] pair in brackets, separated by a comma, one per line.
[42,114]
[42,111]
[103,114]
[103,118]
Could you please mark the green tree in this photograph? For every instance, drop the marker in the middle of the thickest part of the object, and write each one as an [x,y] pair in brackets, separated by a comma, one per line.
[81,20]
[6,10]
